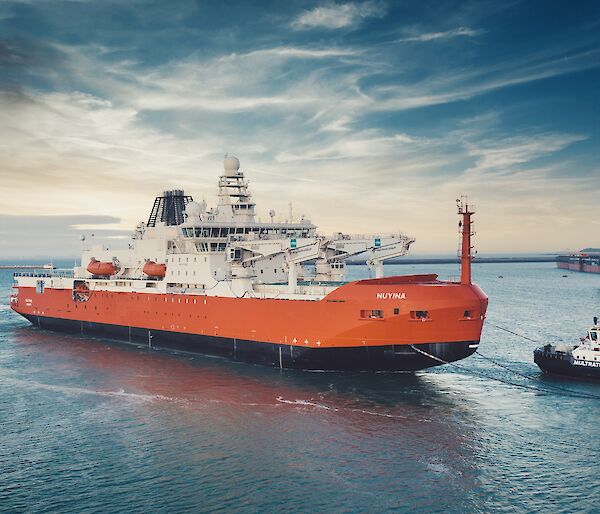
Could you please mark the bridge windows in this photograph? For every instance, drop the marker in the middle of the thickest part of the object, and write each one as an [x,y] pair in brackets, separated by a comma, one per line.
[422,315]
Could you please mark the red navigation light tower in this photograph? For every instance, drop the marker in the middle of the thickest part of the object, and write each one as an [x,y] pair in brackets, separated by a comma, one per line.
[466,211]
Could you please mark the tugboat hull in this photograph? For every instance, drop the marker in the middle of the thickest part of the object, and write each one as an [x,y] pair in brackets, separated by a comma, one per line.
[559,364]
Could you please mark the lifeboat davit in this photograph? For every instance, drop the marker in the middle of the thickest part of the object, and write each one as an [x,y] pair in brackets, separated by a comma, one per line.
[153,269]
[104,269]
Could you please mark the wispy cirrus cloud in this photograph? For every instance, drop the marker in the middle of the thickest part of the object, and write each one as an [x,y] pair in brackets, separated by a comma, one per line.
[447,34]
[337,16]
[303,53]
[503,155]
[466,84]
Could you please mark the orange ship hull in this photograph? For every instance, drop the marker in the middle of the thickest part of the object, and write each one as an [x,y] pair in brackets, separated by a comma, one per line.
[369,325]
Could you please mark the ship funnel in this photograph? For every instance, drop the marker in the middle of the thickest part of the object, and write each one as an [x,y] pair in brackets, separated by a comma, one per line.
[169,208]
[466,211]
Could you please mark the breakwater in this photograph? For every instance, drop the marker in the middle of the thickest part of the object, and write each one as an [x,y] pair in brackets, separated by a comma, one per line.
[26,266]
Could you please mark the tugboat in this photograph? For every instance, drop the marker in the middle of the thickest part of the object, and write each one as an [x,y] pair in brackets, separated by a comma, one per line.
[578,361]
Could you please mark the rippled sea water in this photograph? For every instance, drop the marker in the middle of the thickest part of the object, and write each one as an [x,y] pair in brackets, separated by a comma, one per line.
[87,425]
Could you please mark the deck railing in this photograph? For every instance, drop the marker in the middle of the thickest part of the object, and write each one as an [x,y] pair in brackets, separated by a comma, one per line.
[45,274]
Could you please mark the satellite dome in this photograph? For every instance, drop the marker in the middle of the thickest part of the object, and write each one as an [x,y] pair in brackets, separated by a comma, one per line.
[193,209]
[231,163]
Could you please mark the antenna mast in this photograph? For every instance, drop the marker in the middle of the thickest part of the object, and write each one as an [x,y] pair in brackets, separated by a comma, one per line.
[465,210]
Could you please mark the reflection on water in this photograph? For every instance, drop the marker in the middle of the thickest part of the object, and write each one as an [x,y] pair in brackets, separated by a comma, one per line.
[88,423]
[326,430]
[196,380]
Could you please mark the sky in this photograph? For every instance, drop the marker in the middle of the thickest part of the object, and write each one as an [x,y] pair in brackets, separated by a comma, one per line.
[369,116]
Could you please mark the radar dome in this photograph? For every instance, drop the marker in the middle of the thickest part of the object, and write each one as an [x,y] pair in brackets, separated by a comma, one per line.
[193,209]
[231,163]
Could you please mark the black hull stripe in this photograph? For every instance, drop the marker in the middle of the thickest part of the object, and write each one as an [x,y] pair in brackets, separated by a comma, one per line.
[365,358]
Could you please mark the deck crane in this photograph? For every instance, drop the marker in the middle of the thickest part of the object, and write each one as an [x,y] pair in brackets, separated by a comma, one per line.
[377,248]
[328,254]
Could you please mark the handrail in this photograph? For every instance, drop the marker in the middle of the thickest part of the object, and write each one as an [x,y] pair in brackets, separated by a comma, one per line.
[45,274]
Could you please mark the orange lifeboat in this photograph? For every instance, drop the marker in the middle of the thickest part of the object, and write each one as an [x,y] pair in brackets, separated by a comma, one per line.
[104,269]
[153,269]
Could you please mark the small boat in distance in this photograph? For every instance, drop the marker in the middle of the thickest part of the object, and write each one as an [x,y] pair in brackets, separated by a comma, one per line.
[578,361]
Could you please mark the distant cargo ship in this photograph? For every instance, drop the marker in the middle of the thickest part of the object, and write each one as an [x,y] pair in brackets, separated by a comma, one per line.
[219,281]
[587,260]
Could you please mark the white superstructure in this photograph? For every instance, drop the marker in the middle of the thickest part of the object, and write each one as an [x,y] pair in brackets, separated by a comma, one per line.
[226,251]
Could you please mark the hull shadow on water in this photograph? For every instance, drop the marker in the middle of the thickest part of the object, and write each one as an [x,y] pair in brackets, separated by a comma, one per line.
[172,373]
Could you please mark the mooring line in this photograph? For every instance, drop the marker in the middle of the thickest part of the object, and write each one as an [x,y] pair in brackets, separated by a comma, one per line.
[582,394]
[568,392]
[474,372]
[513,333]
[528,377]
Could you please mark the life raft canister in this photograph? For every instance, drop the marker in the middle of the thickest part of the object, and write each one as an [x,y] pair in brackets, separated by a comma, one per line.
[153,269]
[104,269]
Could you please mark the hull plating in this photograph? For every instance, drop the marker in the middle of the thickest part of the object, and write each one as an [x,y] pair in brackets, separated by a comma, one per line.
[365,325]
[388,358]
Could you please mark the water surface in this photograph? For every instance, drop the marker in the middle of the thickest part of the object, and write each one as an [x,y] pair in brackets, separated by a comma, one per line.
[89,425]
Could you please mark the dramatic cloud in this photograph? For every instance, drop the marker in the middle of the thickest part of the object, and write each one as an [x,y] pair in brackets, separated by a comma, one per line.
[360,130]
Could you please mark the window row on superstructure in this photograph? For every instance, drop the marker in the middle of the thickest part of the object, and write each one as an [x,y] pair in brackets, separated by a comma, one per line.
[226,231]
